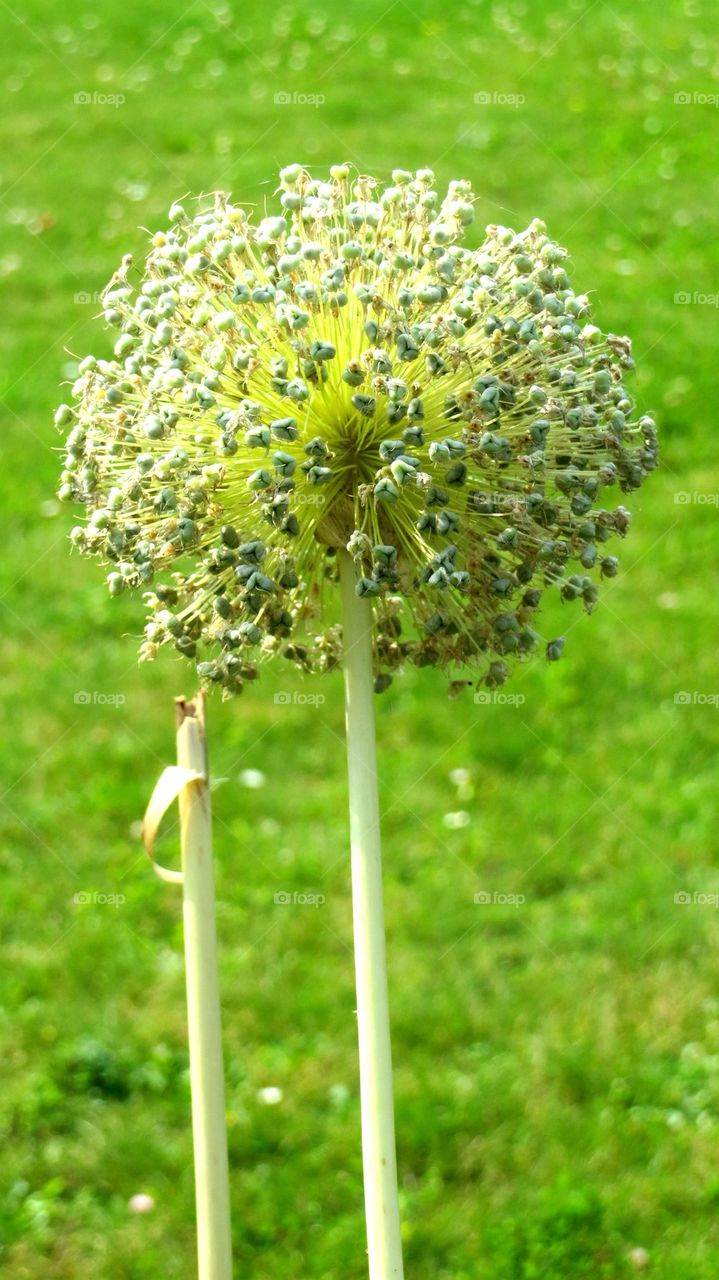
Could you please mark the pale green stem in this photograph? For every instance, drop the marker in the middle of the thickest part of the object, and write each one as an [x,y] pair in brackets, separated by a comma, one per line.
[212,1192]
[375,1054]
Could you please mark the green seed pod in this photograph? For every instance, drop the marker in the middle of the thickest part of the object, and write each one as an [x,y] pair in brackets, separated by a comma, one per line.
[284,463]
[297,390]
[407,348]
[396,389]
[436,497]
[413,436]
[384,554]
[555,649]
[431,293]
[260,582]
[290,175]
[439,451]
[385,491]
[435,623]
[391,449]
[249,633]
[290,525]
[365,405]
[316,448]
[258,437]
[497,674]
[284,429]
[447,522]
[322,350]
[404,469]
[427,522]
[230,536]
[63,415]
[353,374]
[253,552]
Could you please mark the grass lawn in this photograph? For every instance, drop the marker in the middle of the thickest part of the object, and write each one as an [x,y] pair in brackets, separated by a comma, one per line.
[557,1060]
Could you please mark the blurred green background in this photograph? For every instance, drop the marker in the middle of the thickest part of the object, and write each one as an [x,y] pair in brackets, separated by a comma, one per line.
[557,1062]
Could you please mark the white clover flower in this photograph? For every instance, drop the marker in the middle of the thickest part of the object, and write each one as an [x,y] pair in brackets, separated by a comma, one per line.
[461,778]
[253,779]
[347,373]
[141,1203]
[457,821]
[270,1096]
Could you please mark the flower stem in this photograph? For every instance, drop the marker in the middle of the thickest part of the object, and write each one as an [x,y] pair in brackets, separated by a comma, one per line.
[214,1247]
[375,1054]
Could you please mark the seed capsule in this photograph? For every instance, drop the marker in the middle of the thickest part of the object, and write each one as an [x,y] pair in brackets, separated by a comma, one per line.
[284,429]
[365,405]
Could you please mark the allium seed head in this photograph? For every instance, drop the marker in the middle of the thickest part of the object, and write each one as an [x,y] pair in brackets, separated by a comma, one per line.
[348,374]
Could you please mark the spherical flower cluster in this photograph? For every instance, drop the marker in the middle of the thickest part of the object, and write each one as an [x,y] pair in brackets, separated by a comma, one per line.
[346,373]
